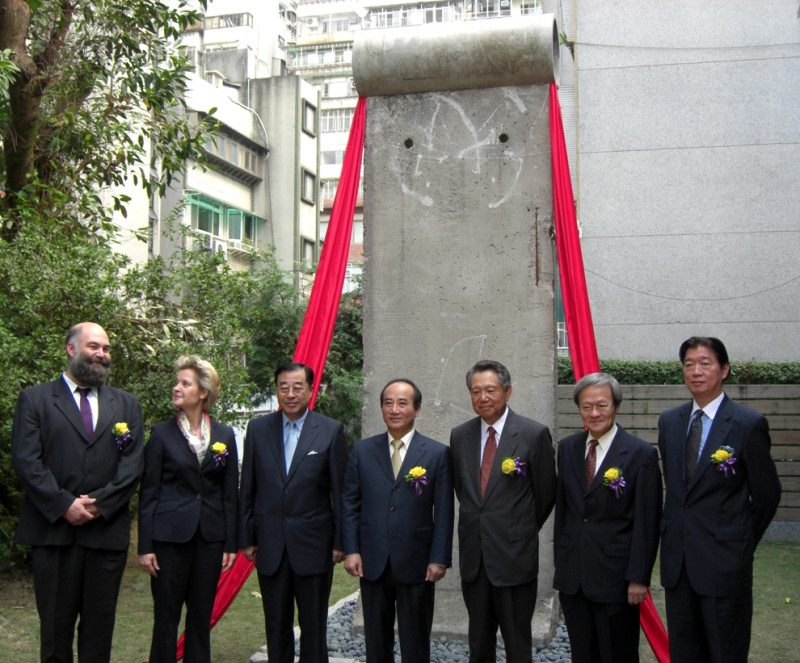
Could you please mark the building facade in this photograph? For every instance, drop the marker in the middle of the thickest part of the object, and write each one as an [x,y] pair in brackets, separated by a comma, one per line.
[688,134]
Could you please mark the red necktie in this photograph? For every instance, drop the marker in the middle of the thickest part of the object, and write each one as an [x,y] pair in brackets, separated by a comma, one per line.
[489,451]
[86,410]
[591,462]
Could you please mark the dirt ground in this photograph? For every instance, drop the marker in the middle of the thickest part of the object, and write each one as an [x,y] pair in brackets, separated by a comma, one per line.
[16,590]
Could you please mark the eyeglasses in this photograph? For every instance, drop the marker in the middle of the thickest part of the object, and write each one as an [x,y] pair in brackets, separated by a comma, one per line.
[286,389]
[600,407]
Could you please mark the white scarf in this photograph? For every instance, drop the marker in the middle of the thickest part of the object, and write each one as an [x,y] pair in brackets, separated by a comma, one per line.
[198,444]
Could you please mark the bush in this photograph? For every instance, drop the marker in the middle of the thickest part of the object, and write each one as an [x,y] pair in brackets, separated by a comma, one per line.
[669,372]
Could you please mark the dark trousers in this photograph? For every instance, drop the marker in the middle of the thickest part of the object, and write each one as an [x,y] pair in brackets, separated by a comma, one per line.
[279,593]
[510,608]
[188,574]
[601,632]
[71,582]
[414,603]
[707,629]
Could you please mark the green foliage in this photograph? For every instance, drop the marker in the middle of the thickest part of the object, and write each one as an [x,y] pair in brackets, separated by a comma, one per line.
[97,96]
[8,70]
[669,372]
[153,313]
[341,395]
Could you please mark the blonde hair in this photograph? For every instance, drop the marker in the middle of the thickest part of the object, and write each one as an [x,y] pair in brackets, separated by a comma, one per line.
[207,376]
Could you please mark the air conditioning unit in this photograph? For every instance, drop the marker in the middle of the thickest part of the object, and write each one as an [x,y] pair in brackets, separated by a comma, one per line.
[204,241]
[219,245]
[312,22]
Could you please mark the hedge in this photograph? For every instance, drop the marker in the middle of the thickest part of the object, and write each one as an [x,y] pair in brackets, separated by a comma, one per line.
[669,372]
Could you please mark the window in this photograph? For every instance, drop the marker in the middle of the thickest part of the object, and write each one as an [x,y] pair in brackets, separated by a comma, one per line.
[329,189]
[235,224]
[341,87]
[309,118]
[228,21]
[217,221]
[332,157]
[241,226]
[207,217]
[488,8]
[234,152]
[308,253]
[531,7]
[309,187]
[336,120]
[435,12]
[336,24]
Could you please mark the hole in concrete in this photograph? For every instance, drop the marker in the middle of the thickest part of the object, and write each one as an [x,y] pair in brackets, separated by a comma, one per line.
[408,143]
[503,138]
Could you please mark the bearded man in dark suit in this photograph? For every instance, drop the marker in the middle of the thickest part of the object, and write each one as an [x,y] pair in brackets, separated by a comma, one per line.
[398,526]
[608,510]
[722,490]
[505,481]
[76,445]
[290,514]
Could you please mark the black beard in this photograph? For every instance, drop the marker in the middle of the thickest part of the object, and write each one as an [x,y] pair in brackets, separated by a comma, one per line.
[88,372]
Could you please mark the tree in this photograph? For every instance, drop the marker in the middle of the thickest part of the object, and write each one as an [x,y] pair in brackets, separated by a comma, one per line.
[94,88]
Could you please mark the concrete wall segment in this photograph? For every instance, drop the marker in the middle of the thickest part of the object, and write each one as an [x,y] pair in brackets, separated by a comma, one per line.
[456,56]
[458,246]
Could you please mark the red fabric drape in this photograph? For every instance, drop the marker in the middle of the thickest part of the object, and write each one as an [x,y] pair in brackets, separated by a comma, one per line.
[323,305]
[580,330]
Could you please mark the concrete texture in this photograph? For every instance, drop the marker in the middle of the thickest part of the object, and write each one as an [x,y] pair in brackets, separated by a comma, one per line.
[689,157]
[522,50]
[459,267]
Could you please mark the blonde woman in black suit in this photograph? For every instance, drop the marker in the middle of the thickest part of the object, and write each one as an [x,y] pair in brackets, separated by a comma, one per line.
[187,513]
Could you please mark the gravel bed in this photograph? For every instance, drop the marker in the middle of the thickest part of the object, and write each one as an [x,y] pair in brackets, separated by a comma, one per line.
[342,644]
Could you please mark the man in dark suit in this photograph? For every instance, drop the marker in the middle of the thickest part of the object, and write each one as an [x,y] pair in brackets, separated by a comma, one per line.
[608,510]
[722,490]
[398,526]
[290,508]
[78,475]
[505,481]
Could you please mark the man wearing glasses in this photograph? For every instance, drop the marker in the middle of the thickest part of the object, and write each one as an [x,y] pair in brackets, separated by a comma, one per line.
[290,514]
[608,509]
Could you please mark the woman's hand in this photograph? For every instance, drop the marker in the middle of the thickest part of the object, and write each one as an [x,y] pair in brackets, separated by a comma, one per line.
[149,563]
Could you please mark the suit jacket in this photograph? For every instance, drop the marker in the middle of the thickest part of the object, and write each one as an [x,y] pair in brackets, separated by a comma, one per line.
[57,462]
[601,542]
[503,526]
[299,512]
[383,518]
[180,496]
[714,523]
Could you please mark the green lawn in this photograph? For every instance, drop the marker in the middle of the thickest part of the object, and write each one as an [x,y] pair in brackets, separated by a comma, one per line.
[776,578]
[241,631]
[234,639]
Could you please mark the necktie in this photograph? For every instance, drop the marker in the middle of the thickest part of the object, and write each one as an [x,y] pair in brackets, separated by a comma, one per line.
[290,443]
[397,459]
[693,441]
[591,462]
[489,451]
[86,410]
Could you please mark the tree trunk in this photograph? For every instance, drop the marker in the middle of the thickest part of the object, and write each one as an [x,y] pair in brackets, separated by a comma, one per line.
[25,97]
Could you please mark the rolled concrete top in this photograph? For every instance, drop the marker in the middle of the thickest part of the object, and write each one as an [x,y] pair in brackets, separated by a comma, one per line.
[460,55]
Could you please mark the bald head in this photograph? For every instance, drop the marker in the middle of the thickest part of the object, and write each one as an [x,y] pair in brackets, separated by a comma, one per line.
[89,352]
